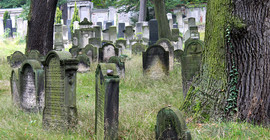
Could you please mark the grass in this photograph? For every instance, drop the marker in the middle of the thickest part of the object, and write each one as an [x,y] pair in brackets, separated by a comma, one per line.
[140,100]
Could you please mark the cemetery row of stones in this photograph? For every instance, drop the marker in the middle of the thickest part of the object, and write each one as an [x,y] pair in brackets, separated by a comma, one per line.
[48,85]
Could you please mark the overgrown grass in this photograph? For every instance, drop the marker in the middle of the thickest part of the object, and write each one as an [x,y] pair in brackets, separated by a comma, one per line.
[140,100]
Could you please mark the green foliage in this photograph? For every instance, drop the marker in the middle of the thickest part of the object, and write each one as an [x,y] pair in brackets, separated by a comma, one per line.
[75,17]
[26,9]
[12,3]
[103,3]
[58,16]
[5,17]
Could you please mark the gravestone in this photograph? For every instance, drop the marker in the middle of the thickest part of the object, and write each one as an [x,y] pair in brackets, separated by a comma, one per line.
[107,102]
[109,24]
[58,37]
[19,27]
[155,62]
[84,63]
[171,125]
[99,24]
[65,36]
[139,33]
[113,33]
[170,19]
[178,54]
[194,33]
[69,31]
[60,110]
[95,42]
[35,55]
[138,48]
[97,30]
[8,28]
[32,86]
[121,28]
[177,40]
[15,87]
[91,52]
[85,32]
[166,44]
[122,43]
[191,22]
[108,50]
[191,62]
[129,34]
[145,31]
[105,34]
[175,26]
[153,31]
[17,59]
[120,66]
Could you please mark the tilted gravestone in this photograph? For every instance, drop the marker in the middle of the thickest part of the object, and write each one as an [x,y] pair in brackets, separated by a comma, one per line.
[178,54]
[32,86]
[91,52]
[155,62]
[171,125]
[153,31]
[166,44]
[17,59]
[108,50]
[138,48]
[121,28]
[60,110]
[84,62]
[15,86]
[139,33]
[95,42]
[191,62]
[120,66]
[107,102]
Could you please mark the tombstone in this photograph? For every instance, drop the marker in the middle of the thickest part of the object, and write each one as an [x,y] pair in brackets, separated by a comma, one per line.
[145,31]
[8,27]
[65,36]
[178,54]
[139,33]
[177,40]
[191,62]
[153,31]
[120,66]
[25,26]
[155,62]
[106,42]
[121,28]
[97,30]
[99,24]
[31,86]
[191,22]
[138,48]
[58,37]
[17,59]
[107,51]
[91,52]
[85,32]
[170,19]
[175,26]
[194,33]
[171,125]
[19,26]
[1,26]
[60,110]
[129,34]
[108,24]
[84,63]
[95,42]
[15,86]
[107,102]
[85,24]
[121,45]
[166,44]
[75,38]
[106,35]
[112,33]
[35,55]
[69,31]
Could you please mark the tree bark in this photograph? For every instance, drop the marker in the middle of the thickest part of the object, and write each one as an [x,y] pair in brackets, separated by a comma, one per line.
[163,23]
[142,14]
[251,52]
[40,26]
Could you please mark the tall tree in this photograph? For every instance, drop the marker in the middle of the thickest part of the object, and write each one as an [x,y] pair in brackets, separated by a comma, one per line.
[40,26]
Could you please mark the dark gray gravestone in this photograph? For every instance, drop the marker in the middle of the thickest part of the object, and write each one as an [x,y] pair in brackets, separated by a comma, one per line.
[32,86]
[175,34]
[69,31]
[107,102]
[191,62]
[60,111]
[138,48]
[166,44]
[99,24]
[8,27]
[91,52]
[153,31]
[121,28]
[108,50]
[97,30]
[84,63]
[178,54]
[155,62]
[171,125]
[120,66]
[108,25]
[95,42]
[17,59]
[15,86]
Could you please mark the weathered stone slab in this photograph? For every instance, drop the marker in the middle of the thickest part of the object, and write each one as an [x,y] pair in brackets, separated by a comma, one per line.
[84,63]
[178,54]
[107,102]
[166,44]
[129,34]
[15,87]
[97,30]
[34,54]
[95,42]
[108,50]
[17,59]
[91,52]
[191,62]
[122,43]
[32,86]
[121,28]
[58,37]
[153,31]
[138,48]
[60,110]
[171,125]
[113,33]
[120,66]
[155,62]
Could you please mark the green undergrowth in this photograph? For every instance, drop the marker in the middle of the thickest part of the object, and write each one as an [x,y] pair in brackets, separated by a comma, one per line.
[140,99]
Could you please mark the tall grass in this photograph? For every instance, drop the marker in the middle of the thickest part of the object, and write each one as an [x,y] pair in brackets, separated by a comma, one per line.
[140,100]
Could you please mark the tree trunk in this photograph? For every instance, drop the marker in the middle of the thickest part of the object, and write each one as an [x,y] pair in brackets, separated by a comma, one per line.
[163,23]
[142,14]
[251,50]
[40,26]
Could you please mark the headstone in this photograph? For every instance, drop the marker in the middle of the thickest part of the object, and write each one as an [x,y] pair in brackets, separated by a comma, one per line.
[153,31]
[32,86]
[171,125]
[107,102]
[108,50]
[15,88]
[170,19]
[95,42]
[85,24]
[58,37]
[106,35]
[191,22]
[109,24]
[17,59]
[139,33]
[129,34]
[145,31]
[91,52]
[122,43]
[65,35]
[155,62]
[8,27]
[194,33]
[191,62]
[19,26]
[120,66]
[97,30]
[113,33]
[60,110]
[84,63]
[25,26]
[121,28]
[138,48]
[177,40]
[99,24]
[166,44]
[35,55]
[1,26]
[69,31]
[175,26]
[178,54]
[85,32]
